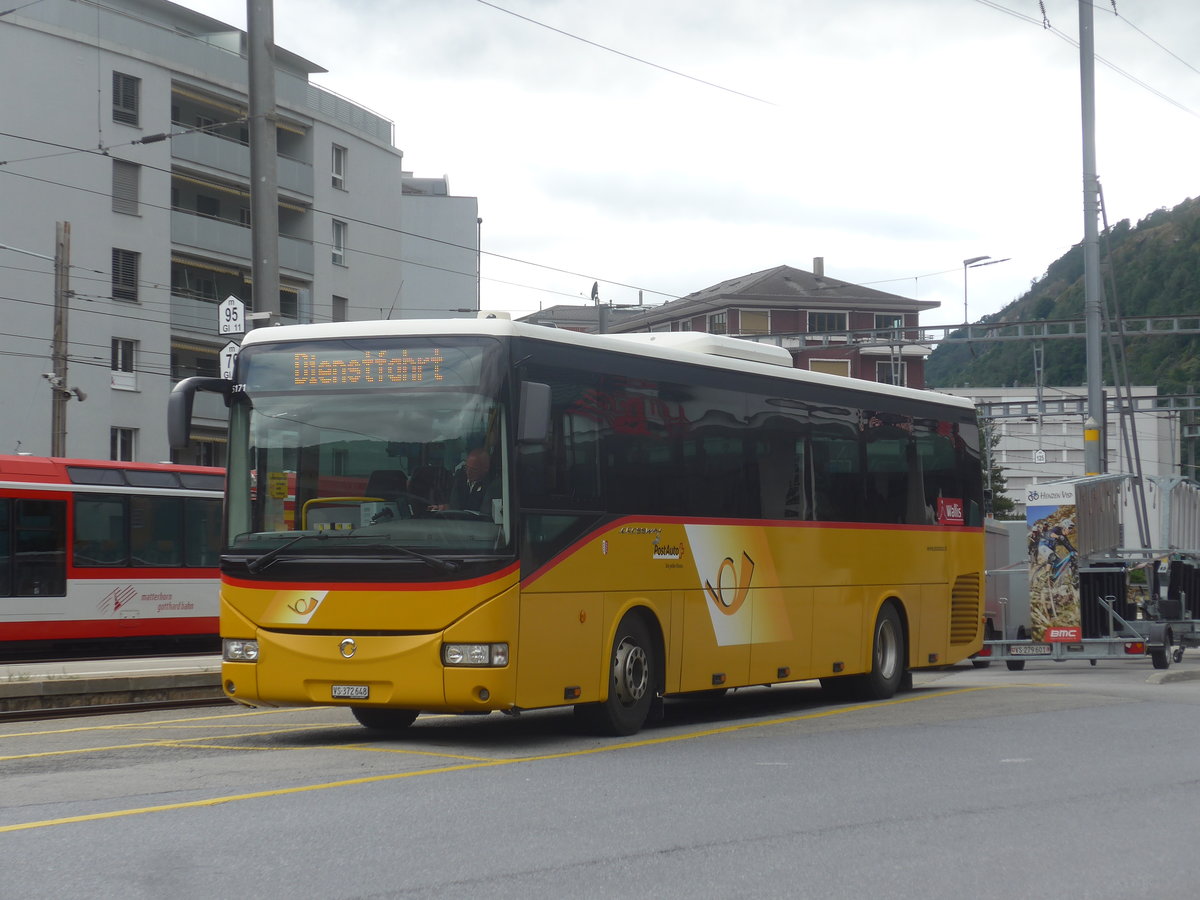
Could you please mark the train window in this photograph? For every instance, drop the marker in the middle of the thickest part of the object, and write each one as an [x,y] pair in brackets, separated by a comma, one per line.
[151,479]
[39,548]
[5,549]
[100,534]
[156,531]
[82,475]
[198,482]
[202,524]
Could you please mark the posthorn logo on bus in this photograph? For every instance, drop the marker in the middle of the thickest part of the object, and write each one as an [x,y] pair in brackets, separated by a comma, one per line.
[732,584]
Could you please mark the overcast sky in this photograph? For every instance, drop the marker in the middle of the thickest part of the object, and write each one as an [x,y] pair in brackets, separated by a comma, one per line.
[893,138]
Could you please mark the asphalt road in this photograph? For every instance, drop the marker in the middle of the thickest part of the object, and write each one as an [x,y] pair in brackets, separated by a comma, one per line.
[1061,780]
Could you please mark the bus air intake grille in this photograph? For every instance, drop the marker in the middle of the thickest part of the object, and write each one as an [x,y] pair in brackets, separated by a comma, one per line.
[964,609]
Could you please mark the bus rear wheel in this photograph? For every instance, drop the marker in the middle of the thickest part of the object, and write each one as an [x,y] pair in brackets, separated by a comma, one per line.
[887,664]
[887,656]
[383,719]
[631,683]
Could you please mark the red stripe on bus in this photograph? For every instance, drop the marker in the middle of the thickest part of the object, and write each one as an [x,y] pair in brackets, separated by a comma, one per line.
[372,586]
[756,523]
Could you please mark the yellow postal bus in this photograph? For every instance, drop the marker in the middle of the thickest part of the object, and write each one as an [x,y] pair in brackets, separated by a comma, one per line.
[473,515]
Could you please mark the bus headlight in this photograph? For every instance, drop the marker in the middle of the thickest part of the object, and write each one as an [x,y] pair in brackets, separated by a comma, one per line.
[239,651]
[475,654]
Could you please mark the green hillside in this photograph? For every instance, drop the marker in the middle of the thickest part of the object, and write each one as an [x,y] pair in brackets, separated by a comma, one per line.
[1155,267]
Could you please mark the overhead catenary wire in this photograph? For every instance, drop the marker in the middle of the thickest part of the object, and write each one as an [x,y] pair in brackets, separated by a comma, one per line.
[621,53]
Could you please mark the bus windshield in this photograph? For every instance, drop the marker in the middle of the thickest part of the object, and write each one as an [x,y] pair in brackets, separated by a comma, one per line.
[386,448]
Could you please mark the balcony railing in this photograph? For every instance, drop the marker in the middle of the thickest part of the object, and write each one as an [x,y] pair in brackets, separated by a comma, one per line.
[218,236]
[227,155]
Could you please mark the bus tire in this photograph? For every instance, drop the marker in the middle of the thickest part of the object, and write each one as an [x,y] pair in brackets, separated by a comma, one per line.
[887,656]
[383,719]
[888,672]
[631,683]
[1015,665]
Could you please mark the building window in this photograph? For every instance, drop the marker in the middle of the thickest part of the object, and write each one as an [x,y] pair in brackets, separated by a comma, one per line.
[339,167]
[886,373]
[125,176]
[206,453]
[126,92]
[826,321]
[125,274]
[208,206]
[889,321]
[754,321]
[124,374]
[289,303]
[121,443]
[830,366]
[718,323]
[683,325]
[341,309]
[339,242]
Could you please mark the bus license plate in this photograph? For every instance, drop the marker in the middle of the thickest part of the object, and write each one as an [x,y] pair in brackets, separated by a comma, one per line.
[351,691]
[1030,650]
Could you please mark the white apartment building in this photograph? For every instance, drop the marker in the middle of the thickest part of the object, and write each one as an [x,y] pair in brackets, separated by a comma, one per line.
[127,120]
[1035,448]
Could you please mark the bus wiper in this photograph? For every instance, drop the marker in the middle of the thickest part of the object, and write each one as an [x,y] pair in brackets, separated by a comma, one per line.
[444,565]
[257,565]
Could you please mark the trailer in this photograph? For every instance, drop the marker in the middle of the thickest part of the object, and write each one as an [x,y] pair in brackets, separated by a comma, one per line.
[1058,585]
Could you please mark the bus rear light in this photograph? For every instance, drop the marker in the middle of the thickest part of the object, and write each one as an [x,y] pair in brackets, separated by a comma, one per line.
[986,651]
[239,651]
[1135,648]
[475,654]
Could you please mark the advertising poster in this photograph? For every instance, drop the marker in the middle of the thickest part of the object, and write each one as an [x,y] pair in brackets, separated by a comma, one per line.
[1053,563]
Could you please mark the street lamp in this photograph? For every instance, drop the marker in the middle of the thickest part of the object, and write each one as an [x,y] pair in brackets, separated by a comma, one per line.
[974,263]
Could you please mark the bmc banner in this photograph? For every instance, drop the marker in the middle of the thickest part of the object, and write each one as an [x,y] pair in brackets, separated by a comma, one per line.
[1053,563]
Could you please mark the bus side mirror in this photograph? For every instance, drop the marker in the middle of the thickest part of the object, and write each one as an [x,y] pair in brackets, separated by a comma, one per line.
[179,405]
[533,426]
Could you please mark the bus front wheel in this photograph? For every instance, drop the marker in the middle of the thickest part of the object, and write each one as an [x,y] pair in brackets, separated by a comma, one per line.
[631,683]
[383,719]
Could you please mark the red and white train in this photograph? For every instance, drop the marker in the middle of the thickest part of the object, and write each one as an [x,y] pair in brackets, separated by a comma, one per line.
[107,555]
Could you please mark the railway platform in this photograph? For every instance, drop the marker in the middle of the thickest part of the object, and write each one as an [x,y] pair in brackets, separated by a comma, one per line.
[97,683]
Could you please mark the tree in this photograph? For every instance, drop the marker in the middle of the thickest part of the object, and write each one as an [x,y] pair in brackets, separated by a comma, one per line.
[994,479]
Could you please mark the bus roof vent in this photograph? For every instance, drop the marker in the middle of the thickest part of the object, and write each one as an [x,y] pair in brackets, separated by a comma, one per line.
[493,314]
[713,345]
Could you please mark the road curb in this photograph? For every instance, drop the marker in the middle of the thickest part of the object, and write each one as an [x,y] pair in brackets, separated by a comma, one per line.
[1166,676]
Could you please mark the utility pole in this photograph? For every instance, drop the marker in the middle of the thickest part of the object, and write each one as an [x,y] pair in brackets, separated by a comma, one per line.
[1094,429]
[264,176]
[59,395]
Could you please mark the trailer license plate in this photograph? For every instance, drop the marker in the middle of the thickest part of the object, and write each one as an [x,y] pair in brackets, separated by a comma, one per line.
[1030,650]
[351,691]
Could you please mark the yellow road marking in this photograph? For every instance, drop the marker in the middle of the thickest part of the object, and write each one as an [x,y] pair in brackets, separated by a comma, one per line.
[484,764]
[117,726]
[404,751]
